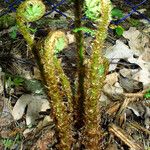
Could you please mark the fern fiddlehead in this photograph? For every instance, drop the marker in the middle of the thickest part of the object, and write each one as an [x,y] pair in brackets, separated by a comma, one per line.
[56,82]
[29,11]
[54,76]
[95,76]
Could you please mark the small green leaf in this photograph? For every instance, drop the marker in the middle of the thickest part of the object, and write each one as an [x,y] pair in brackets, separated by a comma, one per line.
[33,11]
[32,30]
[13,33]
[60,44]
[119,30]
[8,143]
[147,94]
[18,81]
[92,9]
[101,70]
[116,13]
[87,30]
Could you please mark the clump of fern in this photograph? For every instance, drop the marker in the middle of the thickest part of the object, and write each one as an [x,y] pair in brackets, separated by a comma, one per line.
[84,104]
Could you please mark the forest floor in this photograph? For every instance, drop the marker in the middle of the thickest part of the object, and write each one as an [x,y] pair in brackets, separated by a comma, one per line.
[125,97]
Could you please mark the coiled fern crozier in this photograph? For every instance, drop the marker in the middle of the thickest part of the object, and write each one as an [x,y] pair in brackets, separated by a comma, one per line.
[90,76]
[56,82]
[95,75]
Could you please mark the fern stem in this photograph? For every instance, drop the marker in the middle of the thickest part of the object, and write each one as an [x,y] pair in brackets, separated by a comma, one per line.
[56,83]
[80,96]
[95,76]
